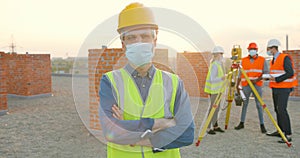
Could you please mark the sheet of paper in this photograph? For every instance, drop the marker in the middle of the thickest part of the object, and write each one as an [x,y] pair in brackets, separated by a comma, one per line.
[276,75]
[266,76]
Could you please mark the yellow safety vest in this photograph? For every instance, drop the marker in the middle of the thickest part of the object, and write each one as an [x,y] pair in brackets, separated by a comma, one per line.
[212,87]
[159,104]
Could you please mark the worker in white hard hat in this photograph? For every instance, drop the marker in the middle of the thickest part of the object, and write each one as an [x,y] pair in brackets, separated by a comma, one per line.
[282,82]
[144,111]
[213,85]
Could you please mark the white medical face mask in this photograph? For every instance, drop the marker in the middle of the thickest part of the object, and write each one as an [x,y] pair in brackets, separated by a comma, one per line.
[139,53]
[269,53]
[221,58]
[252,52]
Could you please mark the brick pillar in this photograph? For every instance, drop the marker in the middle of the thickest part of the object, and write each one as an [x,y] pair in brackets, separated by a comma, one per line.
[3,84]
[295,54]
[100,62]
[192,68]
[161,60]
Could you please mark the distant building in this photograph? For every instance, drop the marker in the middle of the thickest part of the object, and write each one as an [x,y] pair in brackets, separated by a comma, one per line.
[70,65]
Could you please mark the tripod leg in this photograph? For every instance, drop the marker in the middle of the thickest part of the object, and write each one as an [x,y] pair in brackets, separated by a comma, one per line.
[202,133]
[230,96]
[265,108]
[211,113]
[228,114]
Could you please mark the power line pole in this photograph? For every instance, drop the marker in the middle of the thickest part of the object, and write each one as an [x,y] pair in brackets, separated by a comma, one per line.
[12,46]
[287,42]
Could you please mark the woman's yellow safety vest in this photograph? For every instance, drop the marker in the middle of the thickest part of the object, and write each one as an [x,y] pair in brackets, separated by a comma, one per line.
[159,104]
[212,87]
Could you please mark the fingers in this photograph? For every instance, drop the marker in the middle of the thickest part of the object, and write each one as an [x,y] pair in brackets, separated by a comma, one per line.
[117,113]
[272,78]
[171,123]
[115,116]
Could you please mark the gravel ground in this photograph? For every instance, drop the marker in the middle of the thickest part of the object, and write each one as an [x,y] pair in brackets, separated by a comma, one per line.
[51,127]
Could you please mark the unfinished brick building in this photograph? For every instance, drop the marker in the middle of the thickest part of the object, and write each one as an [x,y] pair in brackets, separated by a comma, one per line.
[104,60]
[191,67]
[295,54]
[3,85]
[24,75]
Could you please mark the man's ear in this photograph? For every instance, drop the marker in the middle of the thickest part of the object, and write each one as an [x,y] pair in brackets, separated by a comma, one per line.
[154,42]
[123,46]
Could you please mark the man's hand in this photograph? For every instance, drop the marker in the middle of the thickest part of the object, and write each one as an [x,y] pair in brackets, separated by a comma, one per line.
[272,78]
[253,81]
[238,88]
[256,80]
[143,142]
[117,113]
[162,123]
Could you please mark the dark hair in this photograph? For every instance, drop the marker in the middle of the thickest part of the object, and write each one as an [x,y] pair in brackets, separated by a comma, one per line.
[276,47]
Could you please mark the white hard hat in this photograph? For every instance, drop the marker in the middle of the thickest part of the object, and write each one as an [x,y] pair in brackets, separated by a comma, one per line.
[217,49]
[273,42]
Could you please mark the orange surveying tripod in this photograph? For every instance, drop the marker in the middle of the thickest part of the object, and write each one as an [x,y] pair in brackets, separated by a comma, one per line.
[231,79]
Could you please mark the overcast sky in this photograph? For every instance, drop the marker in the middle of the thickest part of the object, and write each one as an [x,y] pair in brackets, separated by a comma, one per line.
[59,27]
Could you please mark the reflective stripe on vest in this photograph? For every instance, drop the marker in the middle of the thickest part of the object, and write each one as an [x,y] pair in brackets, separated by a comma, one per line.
[214,87]
[253,69]
[278,68]
[158,104]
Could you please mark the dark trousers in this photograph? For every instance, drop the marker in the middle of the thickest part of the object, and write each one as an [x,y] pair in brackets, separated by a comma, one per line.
[280,100]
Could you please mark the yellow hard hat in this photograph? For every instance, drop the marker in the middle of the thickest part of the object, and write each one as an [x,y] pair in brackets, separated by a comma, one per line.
[135,14]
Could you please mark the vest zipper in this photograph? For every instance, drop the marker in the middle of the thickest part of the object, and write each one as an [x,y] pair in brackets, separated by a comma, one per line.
[142,151]
[144,102]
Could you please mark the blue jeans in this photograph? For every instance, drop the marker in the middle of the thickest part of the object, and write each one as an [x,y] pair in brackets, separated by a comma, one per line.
[247,90]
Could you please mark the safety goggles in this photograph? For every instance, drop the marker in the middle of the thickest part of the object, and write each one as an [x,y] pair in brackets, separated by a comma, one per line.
[141,35]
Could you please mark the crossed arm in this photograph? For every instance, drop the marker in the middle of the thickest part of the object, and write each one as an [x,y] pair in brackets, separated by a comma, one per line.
[159,124]
[166,133]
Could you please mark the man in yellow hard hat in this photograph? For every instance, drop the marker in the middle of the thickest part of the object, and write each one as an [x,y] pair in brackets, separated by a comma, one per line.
[144,112]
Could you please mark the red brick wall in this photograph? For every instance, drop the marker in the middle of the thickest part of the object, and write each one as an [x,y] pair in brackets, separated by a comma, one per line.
[295,54]
[192,68]
[3,85]
[40,74]
[28,74]
[100,62]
